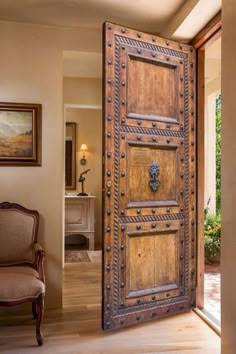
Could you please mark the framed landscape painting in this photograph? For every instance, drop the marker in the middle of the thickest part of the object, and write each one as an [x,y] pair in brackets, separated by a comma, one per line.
[20,134]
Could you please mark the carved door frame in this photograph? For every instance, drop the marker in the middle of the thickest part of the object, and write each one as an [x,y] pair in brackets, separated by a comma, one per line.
[210,33]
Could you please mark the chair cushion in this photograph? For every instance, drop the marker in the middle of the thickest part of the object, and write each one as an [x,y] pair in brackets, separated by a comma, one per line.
[17,235]
[19,283]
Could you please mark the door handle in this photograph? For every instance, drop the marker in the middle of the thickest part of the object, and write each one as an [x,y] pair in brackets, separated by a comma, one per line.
[154,170]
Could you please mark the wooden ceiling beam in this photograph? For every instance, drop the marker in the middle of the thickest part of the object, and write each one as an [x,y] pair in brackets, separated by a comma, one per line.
[178,18]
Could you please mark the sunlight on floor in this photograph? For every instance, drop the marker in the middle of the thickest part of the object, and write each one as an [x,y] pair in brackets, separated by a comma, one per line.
[212,279]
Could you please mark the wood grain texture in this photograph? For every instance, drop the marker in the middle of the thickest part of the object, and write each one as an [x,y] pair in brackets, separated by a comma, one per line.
[77,328]
[153,81]
[139,158]
[167,261]
[142,262]
[156,255]
[149,117]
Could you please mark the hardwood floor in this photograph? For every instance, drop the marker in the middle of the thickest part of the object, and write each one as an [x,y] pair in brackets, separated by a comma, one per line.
[76,328]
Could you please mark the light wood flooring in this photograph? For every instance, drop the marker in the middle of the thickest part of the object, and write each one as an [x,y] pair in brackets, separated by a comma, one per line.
[76,328]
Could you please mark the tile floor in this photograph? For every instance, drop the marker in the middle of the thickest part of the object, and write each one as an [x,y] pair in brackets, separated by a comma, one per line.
[212,292]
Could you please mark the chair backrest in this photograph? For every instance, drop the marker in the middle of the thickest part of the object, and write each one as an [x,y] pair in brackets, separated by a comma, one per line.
[18,232]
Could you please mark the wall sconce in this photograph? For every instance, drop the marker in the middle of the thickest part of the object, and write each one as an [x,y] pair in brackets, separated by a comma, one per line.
[83,148]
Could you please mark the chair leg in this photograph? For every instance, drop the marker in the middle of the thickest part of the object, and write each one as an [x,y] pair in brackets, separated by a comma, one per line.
[34,310]
[39,312]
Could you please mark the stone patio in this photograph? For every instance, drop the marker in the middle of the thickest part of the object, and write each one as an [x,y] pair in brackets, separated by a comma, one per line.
[212,292]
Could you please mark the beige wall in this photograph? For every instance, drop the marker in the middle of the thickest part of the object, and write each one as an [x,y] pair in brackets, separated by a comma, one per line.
[89,131]
[29,74]
[228,178]
[31,71]
[87,92]
[82,91]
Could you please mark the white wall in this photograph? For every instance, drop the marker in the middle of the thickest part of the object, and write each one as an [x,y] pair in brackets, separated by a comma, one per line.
[31,71]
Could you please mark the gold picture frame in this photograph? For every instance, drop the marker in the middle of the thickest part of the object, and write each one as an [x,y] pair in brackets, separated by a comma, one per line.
[20,134]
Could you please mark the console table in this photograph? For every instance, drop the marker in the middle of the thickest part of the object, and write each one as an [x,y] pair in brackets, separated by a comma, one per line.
[79,217]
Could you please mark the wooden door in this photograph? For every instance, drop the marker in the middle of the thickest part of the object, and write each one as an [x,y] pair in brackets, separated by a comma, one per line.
[149,255]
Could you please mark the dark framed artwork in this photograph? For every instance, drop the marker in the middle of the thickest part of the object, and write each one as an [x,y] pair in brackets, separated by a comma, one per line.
[70,156]
[20,134]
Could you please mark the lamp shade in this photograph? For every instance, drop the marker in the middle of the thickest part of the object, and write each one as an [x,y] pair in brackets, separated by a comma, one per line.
[83,147]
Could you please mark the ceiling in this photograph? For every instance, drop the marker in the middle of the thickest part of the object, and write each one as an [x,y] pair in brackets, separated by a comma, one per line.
[153,16]
[179,19]
[146,15]
[197,18]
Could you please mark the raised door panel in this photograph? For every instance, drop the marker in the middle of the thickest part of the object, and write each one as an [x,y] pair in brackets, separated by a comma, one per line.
[140,158]
[155,79]
[167,260]
[152,263]
[140,261]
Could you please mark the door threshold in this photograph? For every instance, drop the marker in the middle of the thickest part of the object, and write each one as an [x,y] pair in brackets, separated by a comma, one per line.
[208,321]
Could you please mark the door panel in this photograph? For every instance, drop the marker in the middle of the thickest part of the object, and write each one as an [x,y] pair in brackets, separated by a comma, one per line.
[141,255]
[155,79]
[156,256]
[139,159]
[149,181]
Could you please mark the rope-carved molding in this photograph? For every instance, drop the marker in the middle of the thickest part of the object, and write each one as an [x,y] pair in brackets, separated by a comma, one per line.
[150,218]
[150,131]
[153,47]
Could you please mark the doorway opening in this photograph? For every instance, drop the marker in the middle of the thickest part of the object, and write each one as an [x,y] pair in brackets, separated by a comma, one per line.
[212,168]
[208,50]
[82,97]
[141,157]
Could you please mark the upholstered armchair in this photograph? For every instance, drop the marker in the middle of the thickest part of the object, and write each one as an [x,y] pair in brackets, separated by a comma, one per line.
[21,261]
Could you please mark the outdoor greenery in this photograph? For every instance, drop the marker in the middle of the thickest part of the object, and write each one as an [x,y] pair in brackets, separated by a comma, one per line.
[212,234]
[218,154]
[212,222]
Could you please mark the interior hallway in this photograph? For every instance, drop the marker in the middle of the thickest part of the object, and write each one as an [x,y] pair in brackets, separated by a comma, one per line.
[76,329]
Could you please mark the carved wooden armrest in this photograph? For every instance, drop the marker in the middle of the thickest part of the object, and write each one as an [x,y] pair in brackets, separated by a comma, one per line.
[39,260]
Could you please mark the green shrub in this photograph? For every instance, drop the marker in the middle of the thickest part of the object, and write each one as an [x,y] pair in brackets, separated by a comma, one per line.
[212,234]
[218,154]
